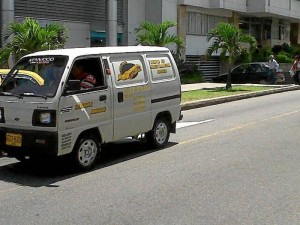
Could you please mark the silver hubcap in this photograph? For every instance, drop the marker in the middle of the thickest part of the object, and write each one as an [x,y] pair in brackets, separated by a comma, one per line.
[87,152]
[161,133]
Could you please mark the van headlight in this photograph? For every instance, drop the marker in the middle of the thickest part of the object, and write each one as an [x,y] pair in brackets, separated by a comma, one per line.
[2,115]
[44,118]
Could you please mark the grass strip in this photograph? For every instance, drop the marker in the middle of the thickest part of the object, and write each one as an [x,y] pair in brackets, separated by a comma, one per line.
[220,92]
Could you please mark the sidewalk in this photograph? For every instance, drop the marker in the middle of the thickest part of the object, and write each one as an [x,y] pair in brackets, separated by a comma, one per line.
[214,101]
[197,86]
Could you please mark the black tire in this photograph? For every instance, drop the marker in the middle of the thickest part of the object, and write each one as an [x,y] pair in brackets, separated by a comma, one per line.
[86,152]
[158,137]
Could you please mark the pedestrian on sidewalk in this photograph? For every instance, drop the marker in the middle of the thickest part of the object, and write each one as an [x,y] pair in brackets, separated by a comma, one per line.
[273,65]
[296,69]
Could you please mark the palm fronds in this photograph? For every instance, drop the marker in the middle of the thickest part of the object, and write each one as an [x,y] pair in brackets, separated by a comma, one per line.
[29,36]
[157,34]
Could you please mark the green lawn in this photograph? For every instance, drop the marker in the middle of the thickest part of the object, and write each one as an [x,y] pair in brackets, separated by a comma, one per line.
[220,92]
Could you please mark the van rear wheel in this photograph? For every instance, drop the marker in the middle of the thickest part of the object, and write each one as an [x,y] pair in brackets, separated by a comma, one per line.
[86,152]
[158,137]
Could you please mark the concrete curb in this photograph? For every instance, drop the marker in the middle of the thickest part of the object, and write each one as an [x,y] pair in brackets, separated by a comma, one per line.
[214,101]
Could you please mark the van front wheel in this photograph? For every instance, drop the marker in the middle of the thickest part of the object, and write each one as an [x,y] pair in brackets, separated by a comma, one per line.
[158,137]
[86,152]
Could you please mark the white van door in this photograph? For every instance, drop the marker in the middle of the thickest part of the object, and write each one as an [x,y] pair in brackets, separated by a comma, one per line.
[84,109]
[132,96]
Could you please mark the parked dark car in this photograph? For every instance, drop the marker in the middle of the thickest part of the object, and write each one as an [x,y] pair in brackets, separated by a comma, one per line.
[256,73]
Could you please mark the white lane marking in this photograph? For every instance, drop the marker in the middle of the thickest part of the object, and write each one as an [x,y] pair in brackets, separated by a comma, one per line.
[187,124]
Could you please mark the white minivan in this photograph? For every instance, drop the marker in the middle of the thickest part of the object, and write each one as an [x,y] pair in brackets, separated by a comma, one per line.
[137,92]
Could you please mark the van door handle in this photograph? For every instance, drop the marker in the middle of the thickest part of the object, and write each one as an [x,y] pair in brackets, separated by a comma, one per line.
[120,97]
[102,98]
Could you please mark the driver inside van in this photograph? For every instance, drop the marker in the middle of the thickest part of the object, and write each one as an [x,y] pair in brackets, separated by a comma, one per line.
[87,80]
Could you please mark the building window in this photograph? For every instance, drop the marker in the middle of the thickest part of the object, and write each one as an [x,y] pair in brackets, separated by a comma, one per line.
[251,26]
[266,28]
[201,24]
[281,32]
[98,39]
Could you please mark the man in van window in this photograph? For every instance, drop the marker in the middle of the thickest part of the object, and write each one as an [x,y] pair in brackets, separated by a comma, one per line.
[87,80]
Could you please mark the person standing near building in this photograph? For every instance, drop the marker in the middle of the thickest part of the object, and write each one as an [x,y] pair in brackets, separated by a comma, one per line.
[296,69]
[273,65]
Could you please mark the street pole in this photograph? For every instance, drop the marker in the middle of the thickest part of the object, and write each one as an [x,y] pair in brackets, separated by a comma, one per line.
[7,16]
[111,22]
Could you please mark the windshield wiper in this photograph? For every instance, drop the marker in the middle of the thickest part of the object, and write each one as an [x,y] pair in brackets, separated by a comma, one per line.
[3,93]
[34,95]
[9,76]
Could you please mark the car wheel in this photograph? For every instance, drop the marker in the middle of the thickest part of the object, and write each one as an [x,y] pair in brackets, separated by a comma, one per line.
[158,137]
[86,152]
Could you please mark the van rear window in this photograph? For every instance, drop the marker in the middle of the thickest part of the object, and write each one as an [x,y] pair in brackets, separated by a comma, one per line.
[161,68]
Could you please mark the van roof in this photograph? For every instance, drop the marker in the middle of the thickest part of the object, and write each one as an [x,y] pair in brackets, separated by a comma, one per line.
[75,52]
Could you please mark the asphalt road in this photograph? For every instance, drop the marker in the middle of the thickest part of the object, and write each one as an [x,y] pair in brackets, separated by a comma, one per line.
[233,163]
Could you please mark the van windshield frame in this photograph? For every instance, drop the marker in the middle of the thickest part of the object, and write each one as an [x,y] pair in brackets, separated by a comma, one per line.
[35,76]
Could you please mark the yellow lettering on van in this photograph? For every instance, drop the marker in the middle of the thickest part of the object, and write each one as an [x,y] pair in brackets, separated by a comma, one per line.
[98,110]
[82,105]
[165,65]
[128,92]
[155,61]
[161,71]
[139,103]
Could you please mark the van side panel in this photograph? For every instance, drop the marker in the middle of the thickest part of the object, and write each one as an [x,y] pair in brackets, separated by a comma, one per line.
[132,99]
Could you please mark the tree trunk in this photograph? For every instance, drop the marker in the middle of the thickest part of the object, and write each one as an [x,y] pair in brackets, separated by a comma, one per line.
[228,83]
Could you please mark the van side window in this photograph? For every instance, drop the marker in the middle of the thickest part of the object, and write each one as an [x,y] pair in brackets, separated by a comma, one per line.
[88,72]
[160,67]
[129,70]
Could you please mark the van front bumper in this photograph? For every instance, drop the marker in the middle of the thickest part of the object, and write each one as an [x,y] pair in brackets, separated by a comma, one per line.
[30,143]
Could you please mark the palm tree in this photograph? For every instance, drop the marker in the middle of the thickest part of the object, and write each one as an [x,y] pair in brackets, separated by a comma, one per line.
[28,36]
[229,40]
[157,34]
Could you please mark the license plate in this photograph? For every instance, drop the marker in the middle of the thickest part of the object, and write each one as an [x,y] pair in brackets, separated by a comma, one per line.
[14,139]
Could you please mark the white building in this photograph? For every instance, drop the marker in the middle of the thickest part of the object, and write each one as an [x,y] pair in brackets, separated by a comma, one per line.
[271,22]
[84,19]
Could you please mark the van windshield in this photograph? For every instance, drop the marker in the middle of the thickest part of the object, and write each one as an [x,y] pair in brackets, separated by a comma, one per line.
[35,76]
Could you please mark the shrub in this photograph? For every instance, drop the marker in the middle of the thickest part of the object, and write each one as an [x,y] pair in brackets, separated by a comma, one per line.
[261,54]
[287,48]
[190,74]
[285,53]
[191,78]
[276,49]
[295,51]
[245,57]
[283,57]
